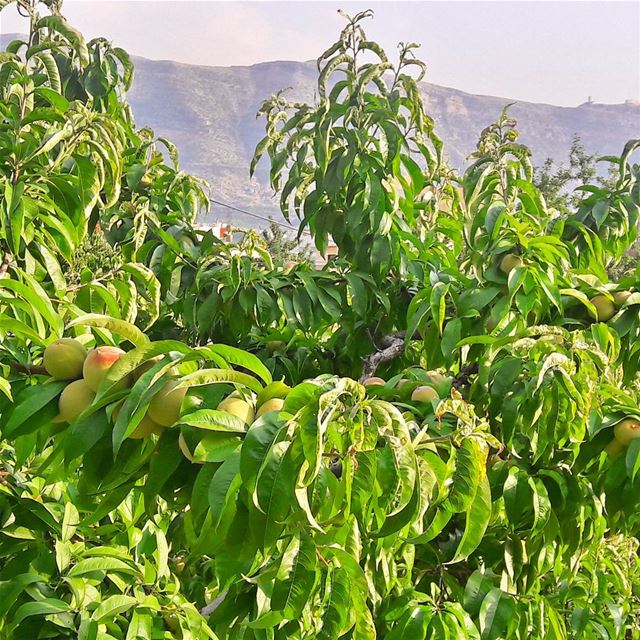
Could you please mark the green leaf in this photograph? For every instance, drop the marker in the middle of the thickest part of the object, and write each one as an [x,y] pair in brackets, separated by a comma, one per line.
[103,565]
[113,606]
[243,359]
[84,434]
[19,328]
[32,292]
[337,607]
[477,520]
[216,447]
[70,521]
[398,521]
[31,401]
[88,630]
[44,607]
[124,329]
[438,304]
[164,462]
[224,484]
[478,586]
[212,420]
[51,68]
[497,615]
[414,624]
[274,492]
[257,443]
[632,458]
[296,578]
[14,216]
[579,619]
[469,471]
[365,629]
[141,626]
[11,589]
[219,376]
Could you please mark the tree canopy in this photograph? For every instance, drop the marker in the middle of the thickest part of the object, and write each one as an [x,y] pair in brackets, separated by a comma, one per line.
[434,436]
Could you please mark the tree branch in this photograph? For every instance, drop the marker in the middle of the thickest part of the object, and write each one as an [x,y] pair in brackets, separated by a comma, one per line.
[211,607]
[391,347]
[463,378]
[4,265]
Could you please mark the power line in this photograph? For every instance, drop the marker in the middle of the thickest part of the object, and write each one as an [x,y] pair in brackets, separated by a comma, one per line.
[256,215]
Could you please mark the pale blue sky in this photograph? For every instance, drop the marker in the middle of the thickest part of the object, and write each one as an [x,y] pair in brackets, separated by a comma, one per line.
[554,52]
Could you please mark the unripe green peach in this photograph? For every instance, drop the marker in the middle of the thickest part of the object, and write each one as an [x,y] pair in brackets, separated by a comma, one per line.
[276,345]
[165,406]
[98,363]
[63,359]
[424,394]
[490,323]
[437,378]
[623,433]
[620,297]
[605,309]
[74,399]
[144,367]
[509,262]
[146,427]
[239,408]
[439,382]
[275,389]
[626,431]
[275,404]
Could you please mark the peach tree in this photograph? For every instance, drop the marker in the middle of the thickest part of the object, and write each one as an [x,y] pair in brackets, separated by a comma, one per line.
[435,436]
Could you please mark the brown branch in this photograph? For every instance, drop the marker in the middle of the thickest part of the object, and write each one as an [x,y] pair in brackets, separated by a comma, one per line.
[463,379]
[4,265]
[391,347]
[29,369]
[210,608]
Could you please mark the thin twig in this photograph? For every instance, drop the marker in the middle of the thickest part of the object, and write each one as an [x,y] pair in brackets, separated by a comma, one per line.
[29,369]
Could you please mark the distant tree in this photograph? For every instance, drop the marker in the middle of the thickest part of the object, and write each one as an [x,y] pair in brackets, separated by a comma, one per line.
[558,181]
[284,247]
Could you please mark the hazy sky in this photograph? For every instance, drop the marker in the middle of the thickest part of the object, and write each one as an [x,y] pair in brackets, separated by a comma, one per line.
[555,52]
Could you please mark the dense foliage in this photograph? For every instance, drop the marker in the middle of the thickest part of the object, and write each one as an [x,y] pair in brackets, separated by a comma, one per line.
[221,463]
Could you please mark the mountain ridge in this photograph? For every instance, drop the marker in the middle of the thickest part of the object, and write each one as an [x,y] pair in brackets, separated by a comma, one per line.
[441,86]
[209,112]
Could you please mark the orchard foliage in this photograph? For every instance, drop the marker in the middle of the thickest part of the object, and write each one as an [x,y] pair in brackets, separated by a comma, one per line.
[485,487]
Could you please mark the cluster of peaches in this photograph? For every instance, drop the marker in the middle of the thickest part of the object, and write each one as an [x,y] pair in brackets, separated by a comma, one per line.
[605,306]
[437,386]
[68,359]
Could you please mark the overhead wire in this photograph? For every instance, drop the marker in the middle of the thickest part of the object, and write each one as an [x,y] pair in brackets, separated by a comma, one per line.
[257,215]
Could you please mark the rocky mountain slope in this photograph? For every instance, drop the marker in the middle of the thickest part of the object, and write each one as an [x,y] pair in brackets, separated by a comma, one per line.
[210,112]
